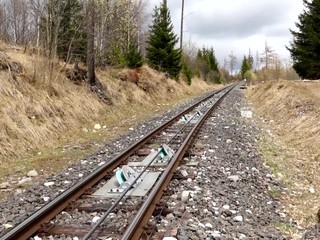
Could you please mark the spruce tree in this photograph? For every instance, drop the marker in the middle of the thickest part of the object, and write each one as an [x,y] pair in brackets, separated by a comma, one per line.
[305,47]
[72,38]
[245,67]
[208,65]
[133,57]
[161,52]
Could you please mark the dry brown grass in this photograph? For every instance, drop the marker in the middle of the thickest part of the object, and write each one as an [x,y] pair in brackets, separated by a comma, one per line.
[41,112]
[292,111]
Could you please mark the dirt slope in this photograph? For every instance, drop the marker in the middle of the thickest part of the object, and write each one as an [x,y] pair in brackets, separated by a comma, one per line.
[291,114]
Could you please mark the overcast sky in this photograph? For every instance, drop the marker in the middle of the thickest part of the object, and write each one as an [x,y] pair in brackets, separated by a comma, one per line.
[236,25]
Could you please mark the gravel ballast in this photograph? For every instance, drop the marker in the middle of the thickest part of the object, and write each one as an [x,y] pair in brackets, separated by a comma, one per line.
[229,197]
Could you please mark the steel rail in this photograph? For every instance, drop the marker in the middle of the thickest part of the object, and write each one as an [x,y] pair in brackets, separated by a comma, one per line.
[36,221]
[135,229]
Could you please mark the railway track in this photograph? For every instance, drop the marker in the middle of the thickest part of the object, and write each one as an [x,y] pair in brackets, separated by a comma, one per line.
[163,148]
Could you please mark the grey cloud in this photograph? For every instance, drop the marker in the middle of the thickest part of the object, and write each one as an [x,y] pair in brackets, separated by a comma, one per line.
[238,24]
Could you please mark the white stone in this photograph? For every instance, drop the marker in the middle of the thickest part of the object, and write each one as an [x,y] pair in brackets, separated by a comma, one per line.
[249,211]
[7,226]
[234,178]
[201,225]
[185,196]
[25,180]
[226,207]
[32,173]
[131,129]
[97,126]
[46,199]
[311,190]
[208,225]
[170,216]
[184,173]
[211,150]
[229,141]
[75,238]
[4,185]
[216,234]
[242,236]
[238,218]
[296,236]
[95,219]
[48,184]
[104,127]
[80,175]
[101,163]
[85,130]
[37,238]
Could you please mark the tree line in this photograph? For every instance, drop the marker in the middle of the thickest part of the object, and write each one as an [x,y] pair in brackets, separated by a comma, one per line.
[116,33]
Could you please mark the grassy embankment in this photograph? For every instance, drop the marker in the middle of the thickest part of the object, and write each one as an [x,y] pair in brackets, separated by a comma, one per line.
[47,122]
[291,111]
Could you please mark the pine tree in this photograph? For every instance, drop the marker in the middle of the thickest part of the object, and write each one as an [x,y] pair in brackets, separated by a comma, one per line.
[245,67]
[305,47]
[161,52]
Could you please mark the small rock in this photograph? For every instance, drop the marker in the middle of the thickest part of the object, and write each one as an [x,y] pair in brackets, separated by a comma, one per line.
[95,219]
[48,184]
[37,238]
[101,163]
[32,173]
[226,207]
[80,175]
[238,218]
[311,190]
[185,196]
[97,126]
[24,180]
[7,226]
[242,236]
[4,185]
[184,173]
[46,199]
[208,225]
[234,178]
[170,216]
[85,130]
[131,129]
[216,235]
[201,225]
[229,141]
[296,236]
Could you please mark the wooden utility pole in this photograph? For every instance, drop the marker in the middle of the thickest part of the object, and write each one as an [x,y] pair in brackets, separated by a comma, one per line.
[181,30]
